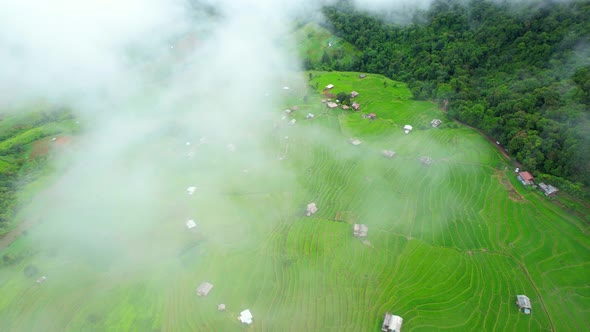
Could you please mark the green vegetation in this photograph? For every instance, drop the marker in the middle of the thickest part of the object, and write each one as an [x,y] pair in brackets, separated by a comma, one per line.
[19,166]
[519,72]
[320,49]
[450,244]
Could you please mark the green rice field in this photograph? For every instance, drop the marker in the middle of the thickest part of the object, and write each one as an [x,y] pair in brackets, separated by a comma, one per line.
[450,242]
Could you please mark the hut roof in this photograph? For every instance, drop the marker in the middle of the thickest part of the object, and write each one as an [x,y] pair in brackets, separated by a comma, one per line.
[356,105]
[191,190]
[392,323]
[246,316]
[548,189]
[191,224]
[524,303]
[408,127]
[332,104]
[204,289]
[388,153]
[221,307]
[311,209]
[353,94]
[355,142]
[526,176]
[345,107]
[360,230]
[329,86]
[435,123]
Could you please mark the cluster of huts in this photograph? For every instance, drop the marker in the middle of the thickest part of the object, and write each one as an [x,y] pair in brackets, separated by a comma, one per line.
[527,179]
[245,316]
[335,103]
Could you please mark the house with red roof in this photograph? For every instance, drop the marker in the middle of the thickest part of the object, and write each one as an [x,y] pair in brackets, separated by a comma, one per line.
[526,178]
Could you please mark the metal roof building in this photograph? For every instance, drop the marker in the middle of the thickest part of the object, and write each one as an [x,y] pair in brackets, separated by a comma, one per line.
[524,303]
[392,323]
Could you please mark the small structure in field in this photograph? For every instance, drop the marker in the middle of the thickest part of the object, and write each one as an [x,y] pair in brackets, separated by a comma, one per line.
[523,303]
[310,116]
[362,75]
[372,116]
[355,141]
[548,189]
[246,317]
[292,122]
[285,88]
[388,153]
[356,106]
[331,104]
[191,190]
[288,111]
[392,323]
[345,107]
[329,87]
[221,307]
[353,94]
[204,289]
[190,224]
[41,279]
[526,178]
[360,230]
[435,123]
[407,129]
[231,147]
[294,108]
[323,101]
[311,209]
[426,161]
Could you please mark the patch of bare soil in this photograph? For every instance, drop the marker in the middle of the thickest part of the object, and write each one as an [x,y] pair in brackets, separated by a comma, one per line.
[512,193]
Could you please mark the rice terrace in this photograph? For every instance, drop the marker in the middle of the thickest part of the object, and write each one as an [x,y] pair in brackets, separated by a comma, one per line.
[451,236]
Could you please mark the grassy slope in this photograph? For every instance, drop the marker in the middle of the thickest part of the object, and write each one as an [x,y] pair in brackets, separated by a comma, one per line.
[26,136]
[451,244]
[312,41]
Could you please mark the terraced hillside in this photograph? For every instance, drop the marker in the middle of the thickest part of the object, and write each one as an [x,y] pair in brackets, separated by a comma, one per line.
[452,239]
[314,40]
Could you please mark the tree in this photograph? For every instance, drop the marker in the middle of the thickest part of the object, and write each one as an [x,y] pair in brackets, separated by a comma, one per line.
[326,60]
[344,98]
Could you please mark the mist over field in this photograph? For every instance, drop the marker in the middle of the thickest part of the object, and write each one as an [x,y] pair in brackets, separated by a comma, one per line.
[181,110]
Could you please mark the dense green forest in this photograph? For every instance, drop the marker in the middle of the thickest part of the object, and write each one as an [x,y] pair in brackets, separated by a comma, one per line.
[521,73]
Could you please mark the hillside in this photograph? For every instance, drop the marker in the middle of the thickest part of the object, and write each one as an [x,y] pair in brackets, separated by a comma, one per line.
[25,142]
[452,238]
[320,48]
[517,71]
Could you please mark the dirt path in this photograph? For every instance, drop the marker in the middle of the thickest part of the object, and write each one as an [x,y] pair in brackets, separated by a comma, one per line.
[7,239]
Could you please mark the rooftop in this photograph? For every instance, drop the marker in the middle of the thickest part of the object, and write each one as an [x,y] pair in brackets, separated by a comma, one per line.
[191,224]
[204,289]
[360,230]
[526,176]
[246,316]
